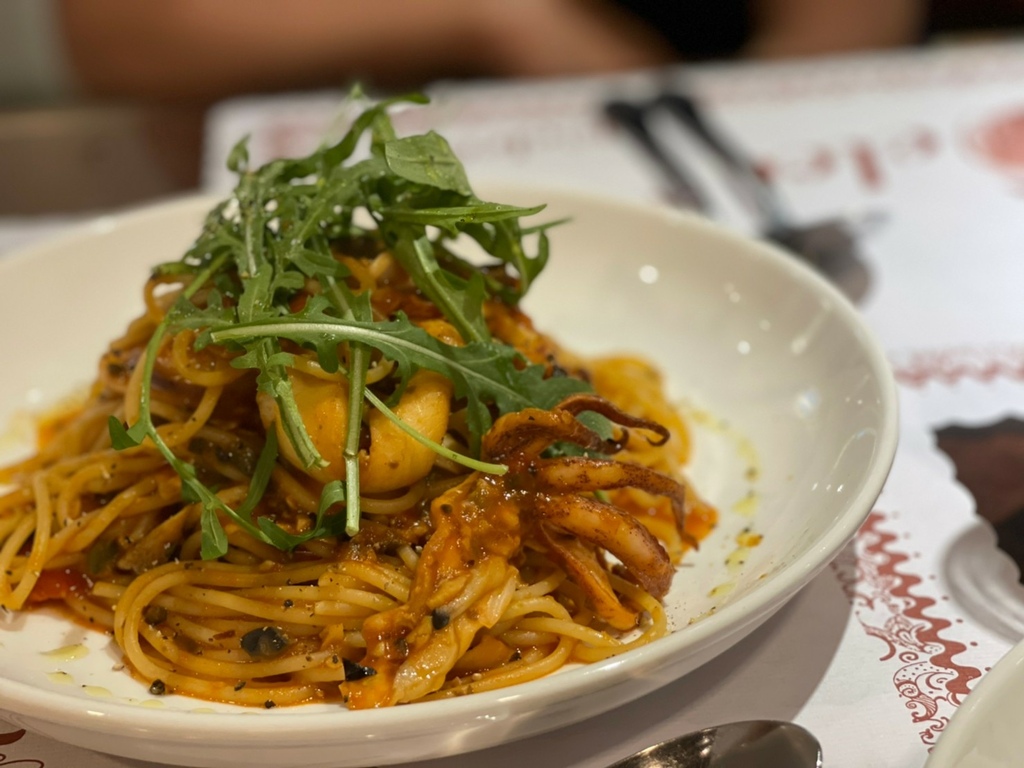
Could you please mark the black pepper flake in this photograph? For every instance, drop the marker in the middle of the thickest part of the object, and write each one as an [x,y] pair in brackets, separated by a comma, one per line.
[158,688]
[240,685]
[355,671]
[439,618]
[154,614]
[269,704]
[288,603]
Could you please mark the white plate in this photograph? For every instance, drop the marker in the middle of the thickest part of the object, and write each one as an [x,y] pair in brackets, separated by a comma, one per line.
[803,395]
[985,732]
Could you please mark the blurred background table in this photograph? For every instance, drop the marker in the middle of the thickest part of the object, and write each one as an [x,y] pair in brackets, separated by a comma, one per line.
[924,152]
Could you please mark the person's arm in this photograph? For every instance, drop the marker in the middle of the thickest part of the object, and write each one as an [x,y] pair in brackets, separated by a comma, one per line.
[809,27]
[209,49]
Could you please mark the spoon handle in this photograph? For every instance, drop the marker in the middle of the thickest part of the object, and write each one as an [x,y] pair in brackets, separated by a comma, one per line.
[749,744]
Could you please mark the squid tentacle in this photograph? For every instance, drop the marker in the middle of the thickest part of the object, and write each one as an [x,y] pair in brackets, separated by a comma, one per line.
[586,474]
[615,531]
[581,564]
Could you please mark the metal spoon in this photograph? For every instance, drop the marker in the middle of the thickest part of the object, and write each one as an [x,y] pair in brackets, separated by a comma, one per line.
[749,744]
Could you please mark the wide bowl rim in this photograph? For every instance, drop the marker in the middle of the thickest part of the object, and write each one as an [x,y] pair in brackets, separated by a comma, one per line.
[295,727]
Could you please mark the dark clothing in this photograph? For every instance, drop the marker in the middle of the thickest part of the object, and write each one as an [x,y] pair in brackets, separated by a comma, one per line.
[711,29]
[977,15]
[701,29]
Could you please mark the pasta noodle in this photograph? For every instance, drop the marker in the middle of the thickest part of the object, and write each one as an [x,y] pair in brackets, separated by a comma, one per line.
[228,566]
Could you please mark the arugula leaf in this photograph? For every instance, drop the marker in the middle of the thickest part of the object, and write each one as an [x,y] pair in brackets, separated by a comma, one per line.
[121,437]
[215,540]
[466,461]
[416,254]
[260,476]
[262,276]
[453,217]
[484,373]
[427,159]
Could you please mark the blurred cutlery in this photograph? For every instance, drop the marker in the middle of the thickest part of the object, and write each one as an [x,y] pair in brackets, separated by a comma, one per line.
[633,118]
[822,243]
[829,244]
[750,744]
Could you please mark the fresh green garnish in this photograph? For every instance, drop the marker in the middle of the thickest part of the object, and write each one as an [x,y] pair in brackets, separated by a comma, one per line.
[260,249]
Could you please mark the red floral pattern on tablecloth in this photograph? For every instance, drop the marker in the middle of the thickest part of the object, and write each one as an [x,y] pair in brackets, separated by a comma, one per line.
[11,737]
[942,67]
[889,605]
[952,365]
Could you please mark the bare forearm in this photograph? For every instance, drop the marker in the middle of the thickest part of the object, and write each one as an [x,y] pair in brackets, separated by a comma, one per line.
[199,48]
[808,27]
[211,48]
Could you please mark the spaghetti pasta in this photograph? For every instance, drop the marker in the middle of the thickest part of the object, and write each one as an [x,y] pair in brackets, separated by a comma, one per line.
[314,470]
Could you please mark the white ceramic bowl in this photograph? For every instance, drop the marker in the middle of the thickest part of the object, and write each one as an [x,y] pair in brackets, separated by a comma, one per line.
[795,415]
[985,732]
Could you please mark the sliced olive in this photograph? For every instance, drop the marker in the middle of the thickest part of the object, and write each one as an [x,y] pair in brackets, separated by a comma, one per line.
[264,642]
